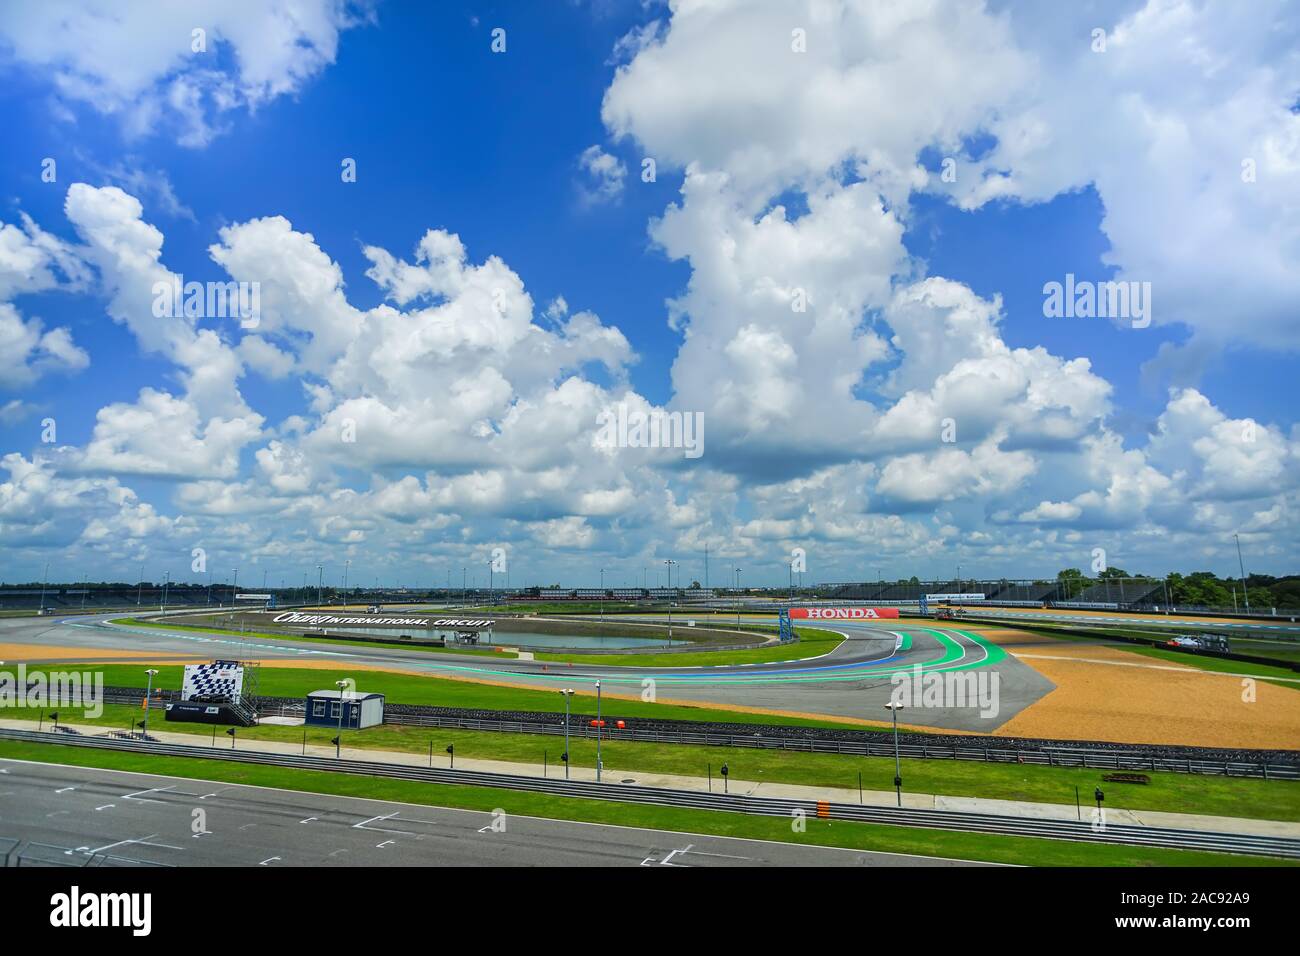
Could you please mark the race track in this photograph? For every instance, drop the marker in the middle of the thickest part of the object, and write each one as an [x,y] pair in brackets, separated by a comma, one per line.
[854,680]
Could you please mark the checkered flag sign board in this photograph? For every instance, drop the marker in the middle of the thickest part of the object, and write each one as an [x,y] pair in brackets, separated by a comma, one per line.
[218,679]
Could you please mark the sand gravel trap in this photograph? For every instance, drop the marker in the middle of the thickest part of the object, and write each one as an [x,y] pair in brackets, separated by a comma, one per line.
[36,653]
[1104,692]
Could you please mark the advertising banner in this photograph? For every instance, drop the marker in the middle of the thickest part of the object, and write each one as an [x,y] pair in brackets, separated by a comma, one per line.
[843,613]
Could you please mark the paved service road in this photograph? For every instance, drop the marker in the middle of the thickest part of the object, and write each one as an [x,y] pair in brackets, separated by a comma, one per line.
[132,818]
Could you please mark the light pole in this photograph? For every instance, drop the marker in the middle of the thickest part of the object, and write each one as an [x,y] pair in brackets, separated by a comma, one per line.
[1245,593]
[320,580]
[139,588]
[44,581]
[167,580]
[670,562]
[598,729]
[602,595]
[148,694]
[464,581]
[338,741]
[234,585]
[737,597]
[567,692]
[898,775]
[346,565]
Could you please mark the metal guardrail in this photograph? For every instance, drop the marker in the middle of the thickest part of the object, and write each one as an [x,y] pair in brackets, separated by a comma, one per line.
[1065,757]
[1054,755]
[1124,834]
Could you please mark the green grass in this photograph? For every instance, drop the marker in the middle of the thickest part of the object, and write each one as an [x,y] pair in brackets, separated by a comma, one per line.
[1216,664]
[813,642]
[1268,647]
[436,691]
[834,833]
[302,638]
[1171,792]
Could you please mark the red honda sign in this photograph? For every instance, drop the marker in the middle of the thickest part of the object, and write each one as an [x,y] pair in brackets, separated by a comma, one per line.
[843,613]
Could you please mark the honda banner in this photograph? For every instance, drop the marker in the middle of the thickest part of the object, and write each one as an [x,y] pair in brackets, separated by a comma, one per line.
[843,613]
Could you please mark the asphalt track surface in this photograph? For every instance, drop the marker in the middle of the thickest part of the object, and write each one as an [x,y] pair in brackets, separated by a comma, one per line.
[854,680]
[81,814]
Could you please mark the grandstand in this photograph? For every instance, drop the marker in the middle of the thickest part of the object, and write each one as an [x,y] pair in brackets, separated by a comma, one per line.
[1113,592]
[1116,592]
[62,598]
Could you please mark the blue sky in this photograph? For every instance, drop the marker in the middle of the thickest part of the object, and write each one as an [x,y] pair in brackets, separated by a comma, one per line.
[821,427]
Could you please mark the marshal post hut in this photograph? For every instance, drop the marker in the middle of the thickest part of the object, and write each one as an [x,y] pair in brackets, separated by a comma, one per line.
[358,710]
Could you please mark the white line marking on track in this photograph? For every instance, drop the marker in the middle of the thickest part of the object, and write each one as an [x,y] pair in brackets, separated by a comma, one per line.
[388,816]
[143,841]
[521,816]
[142,799]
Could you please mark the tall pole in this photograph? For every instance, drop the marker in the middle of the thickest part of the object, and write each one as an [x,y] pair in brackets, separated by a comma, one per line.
[139,589]
[898,774]
[670,563]
[598,729]
[567,692]
[44,581]
[602,595]
[234,585]
[320,580]
[737,597]
[167,580]
[1241,564]
[148,693]
[338,741]
[346,565]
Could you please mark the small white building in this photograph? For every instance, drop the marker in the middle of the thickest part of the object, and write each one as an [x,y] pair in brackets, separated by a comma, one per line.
[356,711]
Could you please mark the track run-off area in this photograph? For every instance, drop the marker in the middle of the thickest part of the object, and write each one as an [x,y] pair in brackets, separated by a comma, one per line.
[853,680]
[1029,685]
